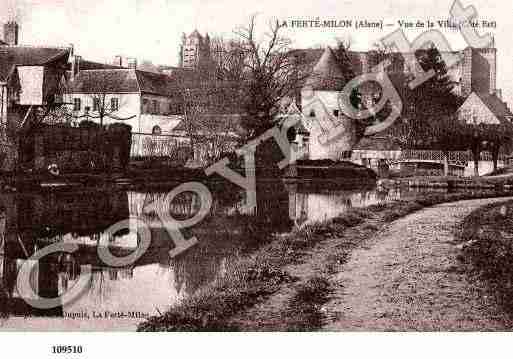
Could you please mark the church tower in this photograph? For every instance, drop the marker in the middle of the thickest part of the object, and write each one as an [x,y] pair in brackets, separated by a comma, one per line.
[11,32]
[194,50]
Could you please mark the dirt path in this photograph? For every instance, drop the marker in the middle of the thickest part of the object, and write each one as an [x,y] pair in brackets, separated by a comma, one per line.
[408,278]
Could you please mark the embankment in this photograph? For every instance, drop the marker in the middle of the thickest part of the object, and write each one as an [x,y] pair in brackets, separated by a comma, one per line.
[278,280]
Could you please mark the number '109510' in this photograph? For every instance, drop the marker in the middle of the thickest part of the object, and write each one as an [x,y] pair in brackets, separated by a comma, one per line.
[66,349]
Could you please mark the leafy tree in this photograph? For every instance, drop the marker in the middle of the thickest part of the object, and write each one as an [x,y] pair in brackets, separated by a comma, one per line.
[429,120]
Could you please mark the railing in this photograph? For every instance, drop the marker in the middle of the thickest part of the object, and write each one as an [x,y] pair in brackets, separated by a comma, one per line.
[454,156]
[145,145]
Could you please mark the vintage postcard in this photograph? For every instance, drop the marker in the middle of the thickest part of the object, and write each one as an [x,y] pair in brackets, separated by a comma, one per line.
[270,166]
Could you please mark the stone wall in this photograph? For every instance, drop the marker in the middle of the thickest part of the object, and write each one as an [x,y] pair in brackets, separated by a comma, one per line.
[82,149]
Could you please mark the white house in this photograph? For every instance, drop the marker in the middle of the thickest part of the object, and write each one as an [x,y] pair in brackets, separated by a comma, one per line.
[146,101]
[331,134]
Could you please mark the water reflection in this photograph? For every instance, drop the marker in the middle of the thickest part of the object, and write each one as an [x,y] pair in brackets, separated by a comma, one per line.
[29,222]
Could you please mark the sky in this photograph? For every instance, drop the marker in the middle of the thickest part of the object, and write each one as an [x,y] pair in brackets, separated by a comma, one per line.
[151,29]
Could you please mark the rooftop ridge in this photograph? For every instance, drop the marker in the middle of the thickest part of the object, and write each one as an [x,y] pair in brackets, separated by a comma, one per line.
[38,46]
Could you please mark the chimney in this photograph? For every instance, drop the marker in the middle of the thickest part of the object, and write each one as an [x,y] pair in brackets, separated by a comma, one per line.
[75,66]
[118,61]
[132,63]
[11,31]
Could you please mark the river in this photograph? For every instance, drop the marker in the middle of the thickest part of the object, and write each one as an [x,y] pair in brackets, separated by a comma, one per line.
[117,298]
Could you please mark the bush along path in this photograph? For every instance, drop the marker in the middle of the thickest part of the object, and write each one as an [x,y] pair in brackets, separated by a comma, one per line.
[297,281]
[487,251]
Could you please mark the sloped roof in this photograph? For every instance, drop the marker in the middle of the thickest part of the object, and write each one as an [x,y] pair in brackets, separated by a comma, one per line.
[326,74]
[196,33]
[307,56]
[155,83]
[11,56]
[123,81]
[498,107]
[92,65]
[105,81]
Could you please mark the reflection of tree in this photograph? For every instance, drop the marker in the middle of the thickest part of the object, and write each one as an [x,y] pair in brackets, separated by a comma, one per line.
[85,213]
[99,287]
[227,236]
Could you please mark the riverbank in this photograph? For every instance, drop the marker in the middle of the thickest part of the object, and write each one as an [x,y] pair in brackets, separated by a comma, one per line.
[156,175]
[487,248]
[504,182]
[285,284]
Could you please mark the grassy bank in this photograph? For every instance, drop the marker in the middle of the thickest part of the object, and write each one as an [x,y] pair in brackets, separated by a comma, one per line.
[487,250]
[254,278]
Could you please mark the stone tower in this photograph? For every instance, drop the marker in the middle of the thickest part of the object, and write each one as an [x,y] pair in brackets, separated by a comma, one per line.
[11,32]
[194,50]
[479,70]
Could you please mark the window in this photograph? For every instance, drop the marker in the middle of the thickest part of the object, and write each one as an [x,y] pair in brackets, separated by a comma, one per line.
[156,130]
[156,107]
[114,104]
[335,113]
[77,104]
[312,113]
[86,110]
[96,104]
[146,105]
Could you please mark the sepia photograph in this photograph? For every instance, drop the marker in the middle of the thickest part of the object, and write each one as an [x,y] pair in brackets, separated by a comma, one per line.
[273,166]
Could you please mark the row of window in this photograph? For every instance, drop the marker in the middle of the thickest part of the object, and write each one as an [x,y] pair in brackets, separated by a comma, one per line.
[148,106]
[114,104]
[154,107]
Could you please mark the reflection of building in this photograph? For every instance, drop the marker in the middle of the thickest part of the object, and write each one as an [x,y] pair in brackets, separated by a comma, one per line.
[34,221]
[308,205]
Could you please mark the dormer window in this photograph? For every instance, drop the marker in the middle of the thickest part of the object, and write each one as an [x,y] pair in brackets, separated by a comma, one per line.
[312,113]
[156,130]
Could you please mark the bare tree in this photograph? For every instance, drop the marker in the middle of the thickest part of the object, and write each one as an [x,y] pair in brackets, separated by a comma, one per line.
[269,72]
[209,117]
[227,59]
